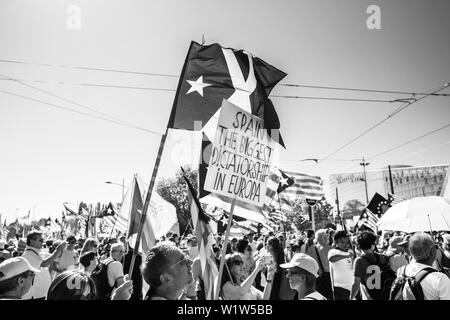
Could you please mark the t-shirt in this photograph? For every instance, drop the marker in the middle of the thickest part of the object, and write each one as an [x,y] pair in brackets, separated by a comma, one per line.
[234,292]
[115,271]
[435,286]
[42,279]
[369,272]
[323,253]
[314,296]
[341,270]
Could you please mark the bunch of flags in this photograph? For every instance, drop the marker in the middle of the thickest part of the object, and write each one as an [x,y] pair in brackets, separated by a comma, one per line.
[377,206]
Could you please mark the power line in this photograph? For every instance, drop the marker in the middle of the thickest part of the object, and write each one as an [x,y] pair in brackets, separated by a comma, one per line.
[410,141]
[395,112]
[356,89]
[176,76]
[79,112]
[406,143]
[173,90]
[72,102]
[88,68]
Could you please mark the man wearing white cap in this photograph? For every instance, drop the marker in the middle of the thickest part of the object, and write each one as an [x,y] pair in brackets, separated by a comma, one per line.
[16,278]
[303,272]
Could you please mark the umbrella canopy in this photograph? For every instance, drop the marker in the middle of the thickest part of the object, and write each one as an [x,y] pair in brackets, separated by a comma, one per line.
[417,214]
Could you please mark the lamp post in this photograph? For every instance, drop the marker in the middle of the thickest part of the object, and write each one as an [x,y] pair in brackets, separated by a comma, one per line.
[118,184]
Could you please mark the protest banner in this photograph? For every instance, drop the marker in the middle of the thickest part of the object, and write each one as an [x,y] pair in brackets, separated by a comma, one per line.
[241,155]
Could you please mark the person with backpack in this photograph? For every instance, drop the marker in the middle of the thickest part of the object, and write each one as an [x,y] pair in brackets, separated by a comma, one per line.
[109,273]
[419,280]
[371,271]
[319,252]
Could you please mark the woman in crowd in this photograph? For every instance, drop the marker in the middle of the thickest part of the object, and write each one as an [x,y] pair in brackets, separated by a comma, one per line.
[234,285]
[90,244]
[281,289]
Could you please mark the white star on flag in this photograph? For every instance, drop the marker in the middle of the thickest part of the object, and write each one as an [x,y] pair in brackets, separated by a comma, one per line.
[109,210]
[284,181]
[197,86]
[224,220]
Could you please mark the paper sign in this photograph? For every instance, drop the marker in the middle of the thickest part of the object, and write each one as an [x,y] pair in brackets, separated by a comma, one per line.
[241,156]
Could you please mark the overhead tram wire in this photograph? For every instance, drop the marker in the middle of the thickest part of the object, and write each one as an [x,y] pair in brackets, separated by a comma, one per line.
[176,76]
[79,112]
[173,90]
[395,112]
[406,143]
[80,105]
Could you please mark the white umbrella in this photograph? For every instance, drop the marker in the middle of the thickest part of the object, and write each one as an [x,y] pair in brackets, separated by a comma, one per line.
[417,214]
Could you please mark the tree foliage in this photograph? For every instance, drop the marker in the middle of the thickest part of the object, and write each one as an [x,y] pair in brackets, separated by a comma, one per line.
[174,190]
[299,216]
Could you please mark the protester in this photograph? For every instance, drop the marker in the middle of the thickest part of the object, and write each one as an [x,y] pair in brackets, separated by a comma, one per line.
[167,270]
[90,244]
[443,259]
[251,242]
[109,273]
[4,254]
[89,262]
[341,266]
[396,253]
[302,272]
[234,284]
[319,252]
[435,285]
[69,258]
[280,287]
[368,269]
[78,285]
[16,278]
[40,261]
[241,246]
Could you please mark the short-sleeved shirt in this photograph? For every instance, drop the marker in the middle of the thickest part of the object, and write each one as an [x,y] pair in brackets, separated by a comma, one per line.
[435,286]
[115,271]
[42,280]
[341,270]
[367,268]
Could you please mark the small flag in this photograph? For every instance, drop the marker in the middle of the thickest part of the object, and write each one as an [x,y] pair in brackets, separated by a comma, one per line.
[369,220]
[378,205]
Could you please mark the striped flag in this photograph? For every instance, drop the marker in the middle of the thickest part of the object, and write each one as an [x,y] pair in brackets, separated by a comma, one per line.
[84,221]
[369,219]
[394,200]
[304,186]
[204,235]
[110,215]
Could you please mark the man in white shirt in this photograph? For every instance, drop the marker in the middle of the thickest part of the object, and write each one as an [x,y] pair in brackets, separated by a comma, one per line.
[436,285]
[37,260]
[341,266]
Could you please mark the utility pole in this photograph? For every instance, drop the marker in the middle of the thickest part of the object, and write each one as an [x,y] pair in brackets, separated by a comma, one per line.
[390,179]
[364,164]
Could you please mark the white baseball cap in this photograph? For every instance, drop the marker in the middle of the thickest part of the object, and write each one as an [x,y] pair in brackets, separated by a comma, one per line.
[303,261]
[15,266]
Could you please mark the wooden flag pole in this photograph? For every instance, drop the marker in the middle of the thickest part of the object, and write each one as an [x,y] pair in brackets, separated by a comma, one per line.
[147,201]
[224,250]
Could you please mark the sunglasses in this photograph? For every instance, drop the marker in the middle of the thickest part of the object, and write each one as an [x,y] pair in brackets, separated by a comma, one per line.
[294,271]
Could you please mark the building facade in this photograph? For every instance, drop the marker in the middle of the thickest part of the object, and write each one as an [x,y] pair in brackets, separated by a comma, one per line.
[408,182]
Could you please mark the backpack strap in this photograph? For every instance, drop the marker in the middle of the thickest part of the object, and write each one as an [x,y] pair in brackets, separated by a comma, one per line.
[423,273]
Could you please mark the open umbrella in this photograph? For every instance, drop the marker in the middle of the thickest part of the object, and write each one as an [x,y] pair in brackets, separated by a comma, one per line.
[417,214]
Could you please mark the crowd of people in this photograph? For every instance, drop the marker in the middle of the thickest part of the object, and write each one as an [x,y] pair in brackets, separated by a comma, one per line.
[314,265]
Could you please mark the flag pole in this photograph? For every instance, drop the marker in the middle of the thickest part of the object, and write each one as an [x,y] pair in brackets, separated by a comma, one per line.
[224,249]
[147,201]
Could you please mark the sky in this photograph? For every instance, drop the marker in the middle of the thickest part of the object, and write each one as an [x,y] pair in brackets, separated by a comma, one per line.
[49,155]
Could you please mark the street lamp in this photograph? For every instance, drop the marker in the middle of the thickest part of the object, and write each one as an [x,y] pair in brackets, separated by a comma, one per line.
[118,184]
